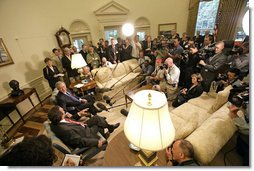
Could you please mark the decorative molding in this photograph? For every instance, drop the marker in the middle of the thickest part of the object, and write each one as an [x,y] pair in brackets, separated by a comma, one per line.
[112,8]
[111,13]
[79,26]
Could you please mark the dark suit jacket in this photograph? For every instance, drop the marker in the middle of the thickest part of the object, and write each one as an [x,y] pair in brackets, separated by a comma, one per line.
[111,52]
[66,102]
[76,136]
[210,71]
[49,75]
[194,92]
[67,66]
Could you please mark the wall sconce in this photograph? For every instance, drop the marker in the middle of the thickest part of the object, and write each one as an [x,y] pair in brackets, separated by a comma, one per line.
[148,125]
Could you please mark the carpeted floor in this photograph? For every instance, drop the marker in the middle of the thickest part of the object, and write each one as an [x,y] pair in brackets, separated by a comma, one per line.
[34,126]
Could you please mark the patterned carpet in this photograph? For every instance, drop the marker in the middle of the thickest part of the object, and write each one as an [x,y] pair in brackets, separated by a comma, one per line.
[34,124]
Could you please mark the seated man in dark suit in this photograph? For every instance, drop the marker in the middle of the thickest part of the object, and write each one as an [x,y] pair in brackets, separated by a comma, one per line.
[77,134]
[71,103]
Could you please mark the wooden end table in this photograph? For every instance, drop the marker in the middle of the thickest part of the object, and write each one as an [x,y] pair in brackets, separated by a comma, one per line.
[129,95]
[88,86]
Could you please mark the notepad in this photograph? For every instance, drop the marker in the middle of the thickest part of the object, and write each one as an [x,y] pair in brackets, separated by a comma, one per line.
[79,85]
[74,158]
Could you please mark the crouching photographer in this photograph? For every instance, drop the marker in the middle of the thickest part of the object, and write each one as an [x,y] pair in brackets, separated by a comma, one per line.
[239,112]
[231,78]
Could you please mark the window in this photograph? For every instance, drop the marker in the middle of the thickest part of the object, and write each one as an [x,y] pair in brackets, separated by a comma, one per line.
[111,32]
[141,35]
[207,13]
[78,43]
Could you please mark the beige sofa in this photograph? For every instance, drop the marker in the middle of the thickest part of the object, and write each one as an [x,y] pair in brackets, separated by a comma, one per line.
[204,121]
[106,77]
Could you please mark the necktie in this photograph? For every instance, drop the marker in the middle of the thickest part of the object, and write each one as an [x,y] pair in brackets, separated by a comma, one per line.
[74,122]
[72,97]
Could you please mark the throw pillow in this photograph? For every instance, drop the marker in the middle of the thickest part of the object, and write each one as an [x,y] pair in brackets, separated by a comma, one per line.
[221,99]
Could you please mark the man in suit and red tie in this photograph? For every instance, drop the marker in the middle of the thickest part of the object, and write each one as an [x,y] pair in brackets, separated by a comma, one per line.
[77,134]
[71,103]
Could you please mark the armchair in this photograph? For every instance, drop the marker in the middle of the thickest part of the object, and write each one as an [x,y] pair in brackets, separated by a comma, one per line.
[87,152]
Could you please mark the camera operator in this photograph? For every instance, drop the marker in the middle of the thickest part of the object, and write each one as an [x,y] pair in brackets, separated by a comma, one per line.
[171,78]
[157,75]
[162,50]
[190,60]
[212,65]
[178,49]
[231,78]
[239,113]
[240,59]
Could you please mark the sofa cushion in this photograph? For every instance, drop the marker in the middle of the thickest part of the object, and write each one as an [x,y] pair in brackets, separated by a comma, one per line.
[135,68]
[204,101]
[182,127]
[129,77]
[110,83]
[129,62]
[119,70]
[212,135]
[188,112]
[102,75]
[221,99]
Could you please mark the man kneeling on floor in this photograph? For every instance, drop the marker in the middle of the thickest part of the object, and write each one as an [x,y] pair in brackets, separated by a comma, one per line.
[77,134]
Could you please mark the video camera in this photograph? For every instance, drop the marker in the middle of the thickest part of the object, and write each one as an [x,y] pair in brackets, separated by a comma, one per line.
[223,77]
[206,52]
[164,66]
[239,96]
[236,50]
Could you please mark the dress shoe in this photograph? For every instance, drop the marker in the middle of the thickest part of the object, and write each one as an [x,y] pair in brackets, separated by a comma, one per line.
[106,135]
[113,127]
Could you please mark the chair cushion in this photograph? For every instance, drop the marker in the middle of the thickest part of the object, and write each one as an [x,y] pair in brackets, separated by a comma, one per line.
[135,68]
[128,63]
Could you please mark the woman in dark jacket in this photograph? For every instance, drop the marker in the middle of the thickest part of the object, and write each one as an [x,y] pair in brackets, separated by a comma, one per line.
[186,94]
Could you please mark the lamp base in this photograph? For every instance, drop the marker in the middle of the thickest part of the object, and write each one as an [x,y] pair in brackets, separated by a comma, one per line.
[148,158]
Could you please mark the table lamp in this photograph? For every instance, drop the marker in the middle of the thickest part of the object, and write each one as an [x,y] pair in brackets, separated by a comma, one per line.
[148,125]
[78,62]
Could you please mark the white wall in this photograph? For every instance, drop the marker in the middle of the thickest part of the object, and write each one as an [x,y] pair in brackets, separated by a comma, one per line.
[28,29]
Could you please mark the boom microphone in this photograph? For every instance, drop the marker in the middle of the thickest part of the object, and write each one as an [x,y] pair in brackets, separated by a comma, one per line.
[124,112]
[102,106]
[102,90]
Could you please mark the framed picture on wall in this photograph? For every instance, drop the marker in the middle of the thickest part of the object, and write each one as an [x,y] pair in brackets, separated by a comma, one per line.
[5,57]
[63,37]
[165,29]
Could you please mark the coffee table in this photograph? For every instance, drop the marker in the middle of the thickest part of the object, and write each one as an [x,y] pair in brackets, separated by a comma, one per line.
[129,95]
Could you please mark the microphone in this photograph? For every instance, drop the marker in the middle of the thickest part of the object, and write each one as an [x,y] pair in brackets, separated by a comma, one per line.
[124,112]
[102,106]
[107,99]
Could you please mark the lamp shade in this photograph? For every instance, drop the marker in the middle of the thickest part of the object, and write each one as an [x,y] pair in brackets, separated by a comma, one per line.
[77,61]
[148,124]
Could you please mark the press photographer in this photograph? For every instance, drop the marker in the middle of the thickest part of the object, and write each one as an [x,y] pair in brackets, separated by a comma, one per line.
[212,66]
[240,59]
[239,113]
[231,78]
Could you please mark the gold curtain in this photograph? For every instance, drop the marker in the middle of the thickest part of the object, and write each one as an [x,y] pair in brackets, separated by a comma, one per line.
[192,18]
[231,11]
